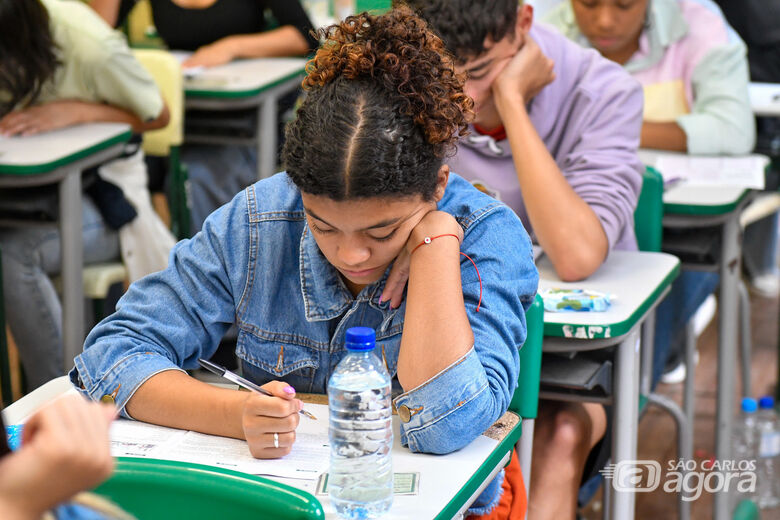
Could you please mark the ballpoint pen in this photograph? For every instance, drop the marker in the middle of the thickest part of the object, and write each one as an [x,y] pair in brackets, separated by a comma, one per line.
[240,381]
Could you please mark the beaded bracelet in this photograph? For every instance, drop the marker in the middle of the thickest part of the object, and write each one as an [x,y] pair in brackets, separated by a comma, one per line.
[428,240]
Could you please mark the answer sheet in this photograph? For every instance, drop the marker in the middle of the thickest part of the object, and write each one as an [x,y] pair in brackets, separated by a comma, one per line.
[307,460]
[746,171]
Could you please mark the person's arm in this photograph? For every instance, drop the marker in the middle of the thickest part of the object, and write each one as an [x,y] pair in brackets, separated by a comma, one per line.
[108,10]
[170,319]
[663,136]
[64,450]
[282,41]
[459,372]
[65,113]
[567,228]
[292,38]
[721,120]
[172,398]
[436,328]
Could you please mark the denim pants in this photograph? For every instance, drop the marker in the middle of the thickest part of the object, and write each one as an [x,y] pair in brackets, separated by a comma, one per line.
[759,248]
[33,311]
[216,173]
[688,292]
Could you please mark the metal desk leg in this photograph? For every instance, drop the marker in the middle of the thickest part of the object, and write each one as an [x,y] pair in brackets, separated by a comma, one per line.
[648,343]
[745,343]
[72,265]
[524,449]
[728,325]
[267,138]
[624,429]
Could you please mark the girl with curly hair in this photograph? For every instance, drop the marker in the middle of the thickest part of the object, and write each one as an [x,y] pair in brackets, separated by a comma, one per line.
[338,240]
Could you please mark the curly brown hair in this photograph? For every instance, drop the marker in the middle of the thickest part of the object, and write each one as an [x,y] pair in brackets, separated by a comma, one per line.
[384,108]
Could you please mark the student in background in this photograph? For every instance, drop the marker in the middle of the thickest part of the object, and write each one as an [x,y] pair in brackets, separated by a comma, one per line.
[63,66]
[220,31]
[693,68]
[300,257]
[555,137]
[64,451]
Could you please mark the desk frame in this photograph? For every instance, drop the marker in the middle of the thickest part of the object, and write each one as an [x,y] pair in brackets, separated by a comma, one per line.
[729,269]
[264,99]
[68,179]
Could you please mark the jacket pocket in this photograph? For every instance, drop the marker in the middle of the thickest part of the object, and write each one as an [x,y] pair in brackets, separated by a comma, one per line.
[294,363]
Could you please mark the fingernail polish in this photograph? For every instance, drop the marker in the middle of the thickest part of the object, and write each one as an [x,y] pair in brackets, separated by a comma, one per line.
[382,298]
[288,389]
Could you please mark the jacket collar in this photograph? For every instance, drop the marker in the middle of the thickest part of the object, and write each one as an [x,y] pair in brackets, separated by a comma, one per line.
[325,296]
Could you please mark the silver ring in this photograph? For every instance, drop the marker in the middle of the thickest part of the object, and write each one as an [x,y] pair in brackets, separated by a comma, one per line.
[276,440]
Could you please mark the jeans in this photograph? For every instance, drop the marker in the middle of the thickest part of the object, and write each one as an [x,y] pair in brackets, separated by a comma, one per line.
[672,315]
[33,311]
[216,173]
[759,249]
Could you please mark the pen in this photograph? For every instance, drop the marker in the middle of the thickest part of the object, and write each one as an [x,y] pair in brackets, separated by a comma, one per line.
[240,381]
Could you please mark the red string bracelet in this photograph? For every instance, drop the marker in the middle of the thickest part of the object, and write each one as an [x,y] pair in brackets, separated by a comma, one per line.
[428,240]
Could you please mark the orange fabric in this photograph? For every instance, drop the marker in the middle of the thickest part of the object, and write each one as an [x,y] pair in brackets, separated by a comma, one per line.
[513,503]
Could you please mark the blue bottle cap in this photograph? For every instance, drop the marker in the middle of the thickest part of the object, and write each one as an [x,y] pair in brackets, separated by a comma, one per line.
[360,338]
[749,405]
[766,402]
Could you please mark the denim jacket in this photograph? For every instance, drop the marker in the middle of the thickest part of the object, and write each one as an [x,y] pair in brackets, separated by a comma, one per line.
[256,263]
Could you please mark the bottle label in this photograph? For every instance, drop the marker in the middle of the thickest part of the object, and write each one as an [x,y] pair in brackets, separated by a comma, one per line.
[769,445]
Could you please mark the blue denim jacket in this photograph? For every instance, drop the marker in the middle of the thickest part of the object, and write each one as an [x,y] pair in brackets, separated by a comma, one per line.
[256,263]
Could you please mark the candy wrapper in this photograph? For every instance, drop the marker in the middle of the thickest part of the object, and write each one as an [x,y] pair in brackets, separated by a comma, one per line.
[14,433]
[575,300]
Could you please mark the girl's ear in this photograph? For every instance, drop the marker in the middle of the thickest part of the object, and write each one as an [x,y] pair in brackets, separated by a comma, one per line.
[443,176]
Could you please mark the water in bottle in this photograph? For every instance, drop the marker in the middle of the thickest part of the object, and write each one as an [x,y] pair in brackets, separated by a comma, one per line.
[768,454]
[360,478]
[744,443]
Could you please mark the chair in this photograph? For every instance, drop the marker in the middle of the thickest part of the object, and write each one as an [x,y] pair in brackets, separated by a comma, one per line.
[162,489]
[525,401]
[164,142]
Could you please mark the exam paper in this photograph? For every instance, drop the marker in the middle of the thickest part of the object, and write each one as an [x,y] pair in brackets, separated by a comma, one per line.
[307,460]
[747,170]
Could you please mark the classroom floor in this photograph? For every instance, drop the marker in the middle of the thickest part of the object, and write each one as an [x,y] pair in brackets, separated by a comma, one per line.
[657,432]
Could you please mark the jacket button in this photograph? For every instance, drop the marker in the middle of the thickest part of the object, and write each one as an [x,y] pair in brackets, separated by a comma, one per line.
[404,413]
[107,399]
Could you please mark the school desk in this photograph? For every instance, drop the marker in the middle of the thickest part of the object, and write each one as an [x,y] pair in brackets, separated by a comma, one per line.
[638,280]
[448,483]
[254,83]
[695,206]
[60,157]
[765,99]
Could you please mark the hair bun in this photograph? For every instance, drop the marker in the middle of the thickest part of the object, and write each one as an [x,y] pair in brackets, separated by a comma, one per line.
[398,51]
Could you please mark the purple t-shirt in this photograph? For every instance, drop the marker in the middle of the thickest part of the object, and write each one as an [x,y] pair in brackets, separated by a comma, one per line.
[589,118]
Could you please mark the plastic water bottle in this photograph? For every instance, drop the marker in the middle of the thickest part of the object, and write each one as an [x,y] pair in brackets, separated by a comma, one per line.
[360,480]
[768,460]
[744,443]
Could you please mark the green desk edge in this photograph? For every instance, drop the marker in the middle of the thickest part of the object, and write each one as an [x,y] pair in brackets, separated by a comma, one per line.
[715,209]
[239,94]
[524,404]
[152,489]
[622,327]
[33,169]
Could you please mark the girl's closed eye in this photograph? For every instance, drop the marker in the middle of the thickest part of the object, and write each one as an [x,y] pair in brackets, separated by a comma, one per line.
[386,237]
[319,229]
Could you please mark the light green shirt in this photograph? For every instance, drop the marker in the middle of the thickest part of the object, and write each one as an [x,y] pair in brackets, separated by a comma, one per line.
[96,64]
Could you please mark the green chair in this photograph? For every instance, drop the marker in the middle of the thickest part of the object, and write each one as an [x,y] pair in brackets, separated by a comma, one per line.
[162,489]
[525,401]
[649,213]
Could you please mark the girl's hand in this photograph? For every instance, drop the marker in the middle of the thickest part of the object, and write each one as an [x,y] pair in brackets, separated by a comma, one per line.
[65,450]
[264,416]
[41,118]
[217,53]
[432,224]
